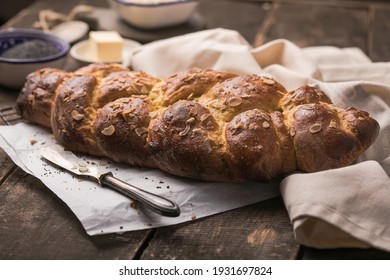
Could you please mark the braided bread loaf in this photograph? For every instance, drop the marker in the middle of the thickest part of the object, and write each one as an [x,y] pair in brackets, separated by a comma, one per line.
[200,124]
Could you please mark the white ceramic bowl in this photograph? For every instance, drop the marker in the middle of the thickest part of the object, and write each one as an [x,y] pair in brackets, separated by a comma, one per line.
[13,71]
[154,13]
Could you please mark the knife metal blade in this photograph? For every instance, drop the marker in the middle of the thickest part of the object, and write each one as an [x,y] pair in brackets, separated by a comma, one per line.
[70,162]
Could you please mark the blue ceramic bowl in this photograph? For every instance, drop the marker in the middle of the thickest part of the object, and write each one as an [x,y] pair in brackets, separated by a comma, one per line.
[13,70]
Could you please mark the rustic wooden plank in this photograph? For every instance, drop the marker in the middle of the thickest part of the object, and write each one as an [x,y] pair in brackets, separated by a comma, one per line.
[6,166]
[243,16]
[7,97]
[345,254]
[259,231]
[379,34]
[310,25]
[26,17]
[35,224]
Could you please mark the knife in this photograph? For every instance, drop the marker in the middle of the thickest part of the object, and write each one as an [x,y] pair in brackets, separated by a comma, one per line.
[69,161]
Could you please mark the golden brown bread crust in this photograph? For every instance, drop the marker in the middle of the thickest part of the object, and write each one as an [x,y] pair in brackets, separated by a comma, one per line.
[252,142]
[120,130]
[36,98]
[200,124]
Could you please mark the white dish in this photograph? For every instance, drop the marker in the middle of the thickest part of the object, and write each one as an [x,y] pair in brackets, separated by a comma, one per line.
[71,31]
[154,14]
[82,52]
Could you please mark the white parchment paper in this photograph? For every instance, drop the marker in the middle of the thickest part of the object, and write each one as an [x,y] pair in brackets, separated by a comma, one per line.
[102,210]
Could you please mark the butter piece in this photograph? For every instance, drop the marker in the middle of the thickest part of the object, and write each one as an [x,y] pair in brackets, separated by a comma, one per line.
[106,46]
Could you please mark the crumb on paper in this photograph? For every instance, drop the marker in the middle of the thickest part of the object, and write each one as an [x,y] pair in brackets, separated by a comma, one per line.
[33,141]
[133,204]
[193,217]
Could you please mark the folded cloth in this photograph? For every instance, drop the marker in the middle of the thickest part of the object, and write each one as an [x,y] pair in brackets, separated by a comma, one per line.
[346,207]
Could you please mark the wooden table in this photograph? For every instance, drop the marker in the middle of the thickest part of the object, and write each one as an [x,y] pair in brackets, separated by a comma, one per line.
[36,224]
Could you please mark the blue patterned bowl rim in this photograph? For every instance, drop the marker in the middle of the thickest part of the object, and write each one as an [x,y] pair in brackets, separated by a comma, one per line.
[28,34]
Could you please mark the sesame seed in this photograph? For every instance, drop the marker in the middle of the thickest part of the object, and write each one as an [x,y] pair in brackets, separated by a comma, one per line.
[153,114]
[308,106]
[77,116]
[268,81]
[140,131]
[315,128]
[204,117]
[108,130]
[234,101]
[265,116]
[185,131]
[333,124]
[350,118]
[266,124]
[190,120]
[196,132]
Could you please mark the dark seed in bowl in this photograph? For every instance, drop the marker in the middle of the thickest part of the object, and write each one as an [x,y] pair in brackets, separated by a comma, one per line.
[31,49]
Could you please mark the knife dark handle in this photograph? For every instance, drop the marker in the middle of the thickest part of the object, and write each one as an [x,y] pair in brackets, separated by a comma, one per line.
[156,203]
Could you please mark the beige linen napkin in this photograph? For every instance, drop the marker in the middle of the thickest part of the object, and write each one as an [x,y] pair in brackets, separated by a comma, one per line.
[346,207]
